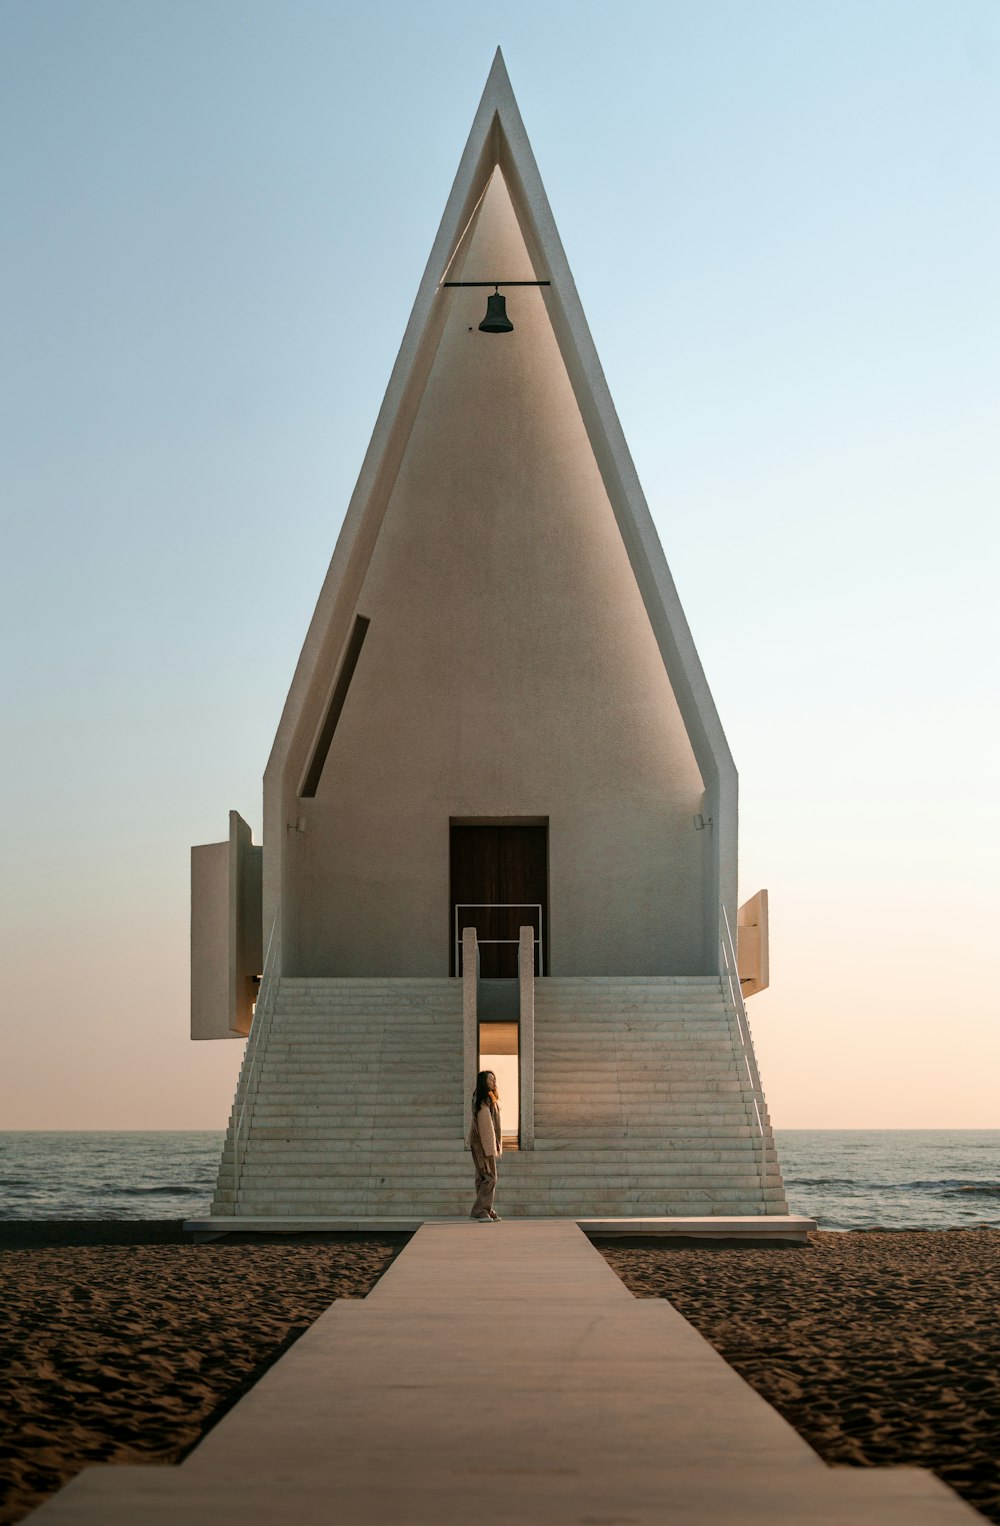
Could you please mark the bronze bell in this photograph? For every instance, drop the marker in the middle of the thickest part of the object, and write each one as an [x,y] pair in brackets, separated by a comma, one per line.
[496,320]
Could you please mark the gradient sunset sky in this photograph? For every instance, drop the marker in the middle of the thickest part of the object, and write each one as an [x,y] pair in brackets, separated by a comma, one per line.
[784,224]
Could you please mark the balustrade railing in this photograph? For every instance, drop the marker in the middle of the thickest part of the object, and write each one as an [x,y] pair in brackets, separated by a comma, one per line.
[481,942]
[260,1029]
[731,974]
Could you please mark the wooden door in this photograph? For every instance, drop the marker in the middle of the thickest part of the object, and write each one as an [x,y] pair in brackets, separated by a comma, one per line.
[499,883]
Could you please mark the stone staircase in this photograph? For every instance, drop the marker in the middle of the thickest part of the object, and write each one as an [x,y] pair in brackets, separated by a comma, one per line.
[355,1107]
[643,1105]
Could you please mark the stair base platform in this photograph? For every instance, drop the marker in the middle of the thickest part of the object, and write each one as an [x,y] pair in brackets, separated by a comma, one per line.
[789,1228]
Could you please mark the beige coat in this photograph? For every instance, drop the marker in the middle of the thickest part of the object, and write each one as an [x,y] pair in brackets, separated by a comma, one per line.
[486,1129]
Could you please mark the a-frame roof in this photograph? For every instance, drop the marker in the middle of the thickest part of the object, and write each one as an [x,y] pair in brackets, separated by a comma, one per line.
[498,139]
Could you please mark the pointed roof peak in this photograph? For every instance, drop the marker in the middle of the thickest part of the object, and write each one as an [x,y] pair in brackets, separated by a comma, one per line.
[498,90]
[499,65]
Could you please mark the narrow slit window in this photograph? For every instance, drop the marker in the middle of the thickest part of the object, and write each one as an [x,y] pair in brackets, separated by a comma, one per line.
[336,705]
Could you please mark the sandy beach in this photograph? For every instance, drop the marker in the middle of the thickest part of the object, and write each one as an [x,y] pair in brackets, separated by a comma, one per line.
[124,1342]
[879,1347]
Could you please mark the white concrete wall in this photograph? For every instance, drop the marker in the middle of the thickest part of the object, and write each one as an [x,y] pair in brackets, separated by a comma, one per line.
[753,944]
[210,941]
[509,670]
[226,942]
[246,952]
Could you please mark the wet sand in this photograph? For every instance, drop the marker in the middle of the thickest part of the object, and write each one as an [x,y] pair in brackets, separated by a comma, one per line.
[125,1343]
[879,1347]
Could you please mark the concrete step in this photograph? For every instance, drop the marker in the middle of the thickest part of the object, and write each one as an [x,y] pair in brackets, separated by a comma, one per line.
[619,1201]
[365,1061]
[605,1126]
[405,1190]
[551,993]
[336,995]
[567,988]
[376,1023]
[599,982]
[563,1043]
[650,1004]
[545,998]
[533,1165]
[565,1005]
[652,1080]
[415,1042]
[717,1134]
[680,1106]
[545,982]
[427,1088]
[668,1097]
[605,1131]
[562,1036]
[675,1123]
[660,1037]
[446,995]
[525,1169]
[592,1062]
[291,1147]
[530,1171]
[375,1005]
[434,1107]
[366,1068]
[345,1130]
[378,1155]
[375,1013]
[600,1128]
[570,1039]
[433,1113]
[370,982]
[573,1036]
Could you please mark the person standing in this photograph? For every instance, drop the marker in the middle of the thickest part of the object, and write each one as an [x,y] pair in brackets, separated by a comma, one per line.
[486,1143]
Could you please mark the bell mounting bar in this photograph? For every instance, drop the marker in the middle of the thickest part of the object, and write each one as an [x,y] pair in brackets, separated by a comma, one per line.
[496,283]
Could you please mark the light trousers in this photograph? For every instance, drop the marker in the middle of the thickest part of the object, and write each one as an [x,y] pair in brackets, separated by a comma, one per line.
[486,1181]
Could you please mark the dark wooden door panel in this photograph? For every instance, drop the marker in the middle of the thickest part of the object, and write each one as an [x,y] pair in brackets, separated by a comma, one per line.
[498,873]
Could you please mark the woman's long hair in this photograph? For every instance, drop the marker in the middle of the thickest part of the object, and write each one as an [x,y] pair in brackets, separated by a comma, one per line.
[482,1094]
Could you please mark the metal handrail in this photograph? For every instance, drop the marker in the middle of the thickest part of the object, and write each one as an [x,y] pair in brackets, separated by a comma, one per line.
[496,906]
[732,974]
[262,1013]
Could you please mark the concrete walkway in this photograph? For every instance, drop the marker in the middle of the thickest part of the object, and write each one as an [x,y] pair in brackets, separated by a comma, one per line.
[503,1370]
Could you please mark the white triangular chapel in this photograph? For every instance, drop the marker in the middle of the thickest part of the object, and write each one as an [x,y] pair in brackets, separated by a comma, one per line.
[498,728]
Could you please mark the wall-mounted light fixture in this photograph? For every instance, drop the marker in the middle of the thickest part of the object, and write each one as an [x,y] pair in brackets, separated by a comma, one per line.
[700,823]
[496,320]
[296,826]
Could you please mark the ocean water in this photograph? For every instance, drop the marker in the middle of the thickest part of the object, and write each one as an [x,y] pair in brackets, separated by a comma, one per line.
[843,1178]
[892,1178]
[108,1176]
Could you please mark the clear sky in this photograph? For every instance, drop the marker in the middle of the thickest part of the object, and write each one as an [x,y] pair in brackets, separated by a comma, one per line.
[784,224]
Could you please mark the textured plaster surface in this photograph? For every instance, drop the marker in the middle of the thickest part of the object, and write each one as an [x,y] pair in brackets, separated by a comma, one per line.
[510,670]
